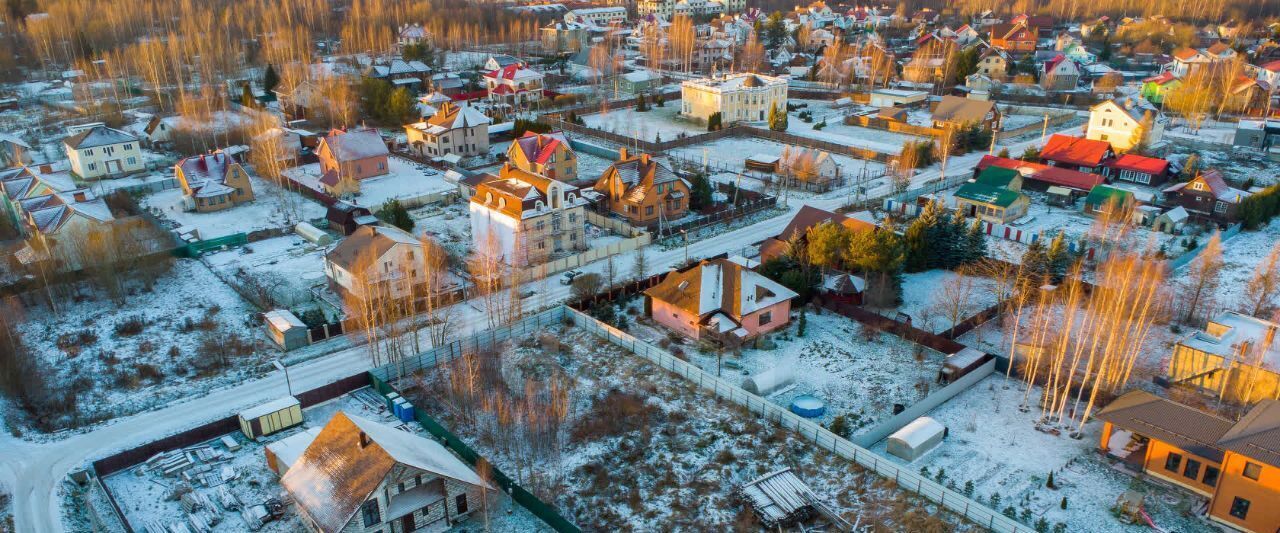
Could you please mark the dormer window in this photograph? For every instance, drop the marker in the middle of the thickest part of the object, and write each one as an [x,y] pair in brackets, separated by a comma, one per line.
[1197,186]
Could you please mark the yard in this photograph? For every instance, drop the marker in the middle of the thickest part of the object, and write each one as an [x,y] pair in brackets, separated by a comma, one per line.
[837,131]
[859,373]
[281,271]
[628,446]
[995,452]
[449,224]
[271,208]
[166,338]
[1241,256]
[407,181]
[934,297]
[655,125]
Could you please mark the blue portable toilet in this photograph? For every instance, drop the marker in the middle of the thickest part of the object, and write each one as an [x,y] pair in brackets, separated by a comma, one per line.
[406,412]
[391,401]
[398,408]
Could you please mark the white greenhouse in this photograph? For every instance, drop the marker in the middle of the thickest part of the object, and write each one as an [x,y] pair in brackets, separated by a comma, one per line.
[916,439]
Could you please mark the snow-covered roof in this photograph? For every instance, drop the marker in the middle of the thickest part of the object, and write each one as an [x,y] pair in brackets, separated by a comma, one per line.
[98,136]
[283,320]
[374,240]
[289,449]
[918,432]
[356,144]
[1235,332]
[452,116]
[735,82]
[720,286]
[273,406]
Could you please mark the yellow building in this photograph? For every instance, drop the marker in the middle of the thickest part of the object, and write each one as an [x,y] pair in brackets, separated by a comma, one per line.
[742,97]
[213,181]
[1236,357]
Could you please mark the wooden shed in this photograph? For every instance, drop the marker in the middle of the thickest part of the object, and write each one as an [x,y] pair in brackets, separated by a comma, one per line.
[270,417]
[285,329]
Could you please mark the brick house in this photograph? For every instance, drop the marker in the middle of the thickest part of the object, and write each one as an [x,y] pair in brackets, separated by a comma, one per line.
[346,157]
[548,154]
[1013,38]
[720,300]
[644,192]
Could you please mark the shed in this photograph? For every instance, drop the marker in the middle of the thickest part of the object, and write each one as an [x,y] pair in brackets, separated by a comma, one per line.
[342,217]
[763,163]
[779,498]
[769,381]
[962,362]
[896,97]
[285,328]
[270,417]
[313,234]
[1060,196]
[916,439]
[283,453]
[1171,221]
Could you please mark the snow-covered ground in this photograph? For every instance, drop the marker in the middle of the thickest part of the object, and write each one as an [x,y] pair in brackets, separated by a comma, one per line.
[930,297]
[856,372]
[405,180]
[730,154]
[449,224]
[658,123]
[838,132]
[289,265]
[158,345]
[1241,256]
[996,447]
[270,208]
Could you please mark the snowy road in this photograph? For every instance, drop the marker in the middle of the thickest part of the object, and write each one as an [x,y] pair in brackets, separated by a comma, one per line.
[33,472]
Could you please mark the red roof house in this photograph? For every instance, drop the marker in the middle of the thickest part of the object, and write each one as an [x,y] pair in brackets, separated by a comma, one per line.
[1036,175]
[1087,155]
[1139,169]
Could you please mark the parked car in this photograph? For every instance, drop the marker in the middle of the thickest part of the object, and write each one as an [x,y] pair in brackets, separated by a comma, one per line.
[567,278]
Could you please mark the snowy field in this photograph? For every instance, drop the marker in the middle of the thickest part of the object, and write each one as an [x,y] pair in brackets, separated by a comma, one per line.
[1241,256]
[656,124]
[190,332]
[449,224]
[838,132]
[995,452]
[929,297]
[269,209]
[288,265]
[145,494]
[858,373]
[405,180]
[637,448]
[1238,167]
[730,154]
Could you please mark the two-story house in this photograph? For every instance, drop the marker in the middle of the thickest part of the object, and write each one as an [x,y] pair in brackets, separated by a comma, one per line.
[454,129]
[737,97]
[346,157]
[523,219]
[994,64]
[1015,39]
[358,475]
[1208,197]
[514,85]
[644,192]
[1236,357]
[213,182]
[720,300]
[1125,123]
[102,152]
[1059,74]
[545,154]
[375,262]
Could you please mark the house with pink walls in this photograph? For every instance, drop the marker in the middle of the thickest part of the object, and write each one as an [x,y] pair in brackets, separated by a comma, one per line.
[720,300]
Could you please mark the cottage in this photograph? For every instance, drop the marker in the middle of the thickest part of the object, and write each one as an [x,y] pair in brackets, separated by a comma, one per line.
[804,220]
[721,301]
[454,129]
[737,97]
[640,81]
[808,168]
[997,205]
[514,85]
[14,152]
[1155,88]
[1236,465]
[954,112]
[1059,74]
[360,475]
[1236,357]
[1139,169]
[1207,196]
[346,157]
[522,218]
[102,152]
[545,154]
[1105,200]
[379,262]
[993,63]
[213,182]
[1126,123]
[641,190]
[560,36]
[1044,177]
[1013,38]
[1076,153]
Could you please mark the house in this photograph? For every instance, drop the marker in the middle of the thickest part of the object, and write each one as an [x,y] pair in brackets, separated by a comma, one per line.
[954,112]
[24,183]
[1138,169]
[639,81]
[597,16]
[1077,52]
[1236,357]
[1248,95]
[1076,153]
[746,97]
[545,154]
[721,301]
[1041,25]
[346,157]
[1207,196]
[994,196]
[1235,465]
[1185,61]
[1155,88]
[361,475]
[1125,123]
[102,152]
[454,129]
[375,262]
[1262,135]
[1269,73]
[1043,177]
[1015,39]
[14,152]
[213,182]
[1103,200]
[993,63]
[1170,221]
[524,219]
[896,97]
[1059,74]
[346,217]
[500,61]
[805,219]
[638,188]
[514,85]
[561,36]
[808,168]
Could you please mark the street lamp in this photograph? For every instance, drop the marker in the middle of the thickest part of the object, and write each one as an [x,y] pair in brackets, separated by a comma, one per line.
[281,367]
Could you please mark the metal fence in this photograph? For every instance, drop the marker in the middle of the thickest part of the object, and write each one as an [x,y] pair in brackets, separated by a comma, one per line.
[918,409]
[902,476]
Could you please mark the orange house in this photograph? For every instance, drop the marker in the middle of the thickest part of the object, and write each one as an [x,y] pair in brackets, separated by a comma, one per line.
[720,300]
[644,192]
[547,154]
[1235,466]
[1013,38]
[807,218]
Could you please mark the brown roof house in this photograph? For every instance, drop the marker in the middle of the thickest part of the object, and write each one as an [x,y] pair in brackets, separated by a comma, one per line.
[525,219]
[720,300]
[360,475]
[380,262]
[805,219]
[642,191]
[213,182]
[957,111]
[346,157]
[1207,196]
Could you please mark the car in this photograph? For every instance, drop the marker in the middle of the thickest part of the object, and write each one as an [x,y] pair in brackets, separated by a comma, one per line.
[567,278]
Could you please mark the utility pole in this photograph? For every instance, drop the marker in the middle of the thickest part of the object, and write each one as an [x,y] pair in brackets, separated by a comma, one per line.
[281,367]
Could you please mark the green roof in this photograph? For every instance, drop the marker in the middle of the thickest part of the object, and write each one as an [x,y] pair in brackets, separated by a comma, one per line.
[997,176]
[1101,194]
[986,194]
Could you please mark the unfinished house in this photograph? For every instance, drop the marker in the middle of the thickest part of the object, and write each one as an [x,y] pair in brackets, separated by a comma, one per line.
[1236,358]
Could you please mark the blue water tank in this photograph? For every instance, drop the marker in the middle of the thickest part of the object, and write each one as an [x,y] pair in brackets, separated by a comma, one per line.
[808,406]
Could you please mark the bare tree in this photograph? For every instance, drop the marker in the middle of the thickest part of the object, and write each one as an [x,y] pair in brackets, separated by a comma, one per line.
[955,299]
[1200,285]
[1264,287]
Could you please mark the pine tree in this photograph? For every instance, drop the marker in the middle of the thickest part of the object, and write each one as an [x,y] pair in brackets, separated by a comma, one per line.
[801,324]
[641,104]
[714,122]
[1036,260]
[777,118]
[700,193]
[1049,483]
[975,243]
[1059,256]
[1064,502]
[270,79]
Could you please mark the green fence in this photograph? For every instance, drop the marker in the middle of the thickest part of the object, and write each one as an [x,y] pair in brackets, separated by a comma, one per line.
[194,249]
[526,499]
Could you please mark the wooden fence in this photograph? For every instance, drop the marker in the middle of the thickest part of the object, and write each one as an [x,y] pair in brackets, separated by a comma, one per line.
[877,123]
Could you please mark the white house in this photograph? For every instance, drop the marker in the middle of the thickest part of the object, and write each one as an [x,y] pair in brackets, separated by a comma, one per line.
[453,129]
[597,16]
[103,152]
[737,97]
[375,260]
[522,218]
[1119,122]
[514,85]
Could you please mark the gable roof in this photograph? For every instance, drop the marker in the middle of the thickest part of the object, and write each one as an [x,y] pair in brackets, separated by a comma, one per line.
[809,217]
[1075,150]
[336,473]
[1103,194]
[987,194]
[1137,163]
[961,110]
[206,174]
[356,144]
[1065,177]
[371,240]
[720,286]
[638,175]
[454,116]
[1185,427]
[1161,79]
[539,147]
[98,136]
[1257,435]
[997,176]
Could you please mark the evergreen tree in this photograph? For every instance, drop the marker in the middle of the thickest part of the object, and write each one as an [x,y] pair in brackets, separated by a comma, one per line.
[641,104]
[714,121]
[800,333]
[777,118]
[1036,260]
[394,213]
[880,255]
[1058,256]
[975,243]
[700,193]
[399,108]
[1004,152]
[916,242]
[270,79]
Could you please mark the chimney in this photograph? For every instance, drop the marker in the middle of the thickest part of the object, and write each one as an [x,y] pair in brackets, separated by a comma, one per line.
[364,440]
[622,154]
[80,196]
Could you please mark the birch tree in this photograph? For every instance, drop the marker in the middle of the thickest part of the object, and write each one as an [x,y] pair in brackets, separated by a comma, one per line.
[1200,284]
[1264,286]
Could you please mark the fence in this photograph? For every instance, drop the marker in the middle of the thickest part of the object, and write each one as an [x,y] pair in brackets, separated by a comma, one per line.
[877,123]
[918,409]
[150,187]
[742,209]
[556,266]
[1035,127]
[194,249]
[1185,259]
[614,225]
[902,476]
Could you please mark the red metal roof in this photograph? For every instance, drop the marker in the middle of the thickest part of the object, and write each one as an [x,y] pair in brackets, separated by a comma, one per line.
[1075,150]
[1064,177]
[1137,163]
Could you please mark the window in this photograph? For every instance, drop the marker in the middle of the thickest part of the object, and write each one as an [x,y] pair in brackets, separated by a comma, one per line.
[1239,507]
[1192,470]
[1197,186]
[1210,476]
[648,210]
[93,166]
[133,160]
[1219,207]
[128,147]
[1252,471]
[766,317]
[1172,461]
[369,512]
[88,152]
[460,503]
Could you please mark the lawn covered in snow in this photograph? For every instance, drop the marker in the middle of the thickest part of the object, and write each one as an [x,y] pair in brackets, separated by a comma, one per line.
[929,297]
[288,265]
[270,209]
[1241,256]
[405,180]
[838,132]
[995,452]
[656,124]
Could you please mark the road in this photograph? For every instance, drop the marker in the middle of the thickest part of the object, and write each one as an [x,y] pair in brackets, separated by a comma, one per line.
[32,472]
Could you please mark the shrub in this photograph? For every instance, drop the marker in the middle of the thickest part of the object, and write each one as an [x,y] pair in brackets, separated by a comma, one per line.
[130,326]
[149,372]
[725,457]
